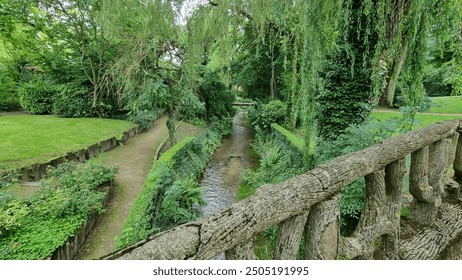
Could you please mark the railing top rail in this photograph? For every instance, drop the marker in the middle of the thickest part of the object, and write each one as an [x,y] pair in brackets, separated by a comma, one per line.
[272,204]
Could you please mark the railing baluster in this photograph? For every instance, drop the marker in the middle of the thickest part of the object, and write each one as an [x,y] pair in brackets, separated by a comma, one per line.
[289,237]
[453,185]
[322,231]
[423,209]
[394,173]
[458,161]
[428,168]
[241,252]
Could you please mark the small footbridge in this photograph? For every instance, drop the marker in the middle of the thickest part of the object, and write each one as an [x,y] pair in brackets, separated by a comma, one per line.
[308,206]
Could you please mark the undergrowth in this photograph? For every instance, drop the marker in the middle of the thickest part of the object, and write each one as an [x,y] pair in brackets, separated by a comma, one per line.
[35,226]
[171,194]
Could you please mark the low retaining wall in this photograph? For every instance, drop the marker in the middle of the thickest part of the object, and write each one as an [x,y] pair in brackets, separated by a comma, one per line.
[38,170]
[69,250]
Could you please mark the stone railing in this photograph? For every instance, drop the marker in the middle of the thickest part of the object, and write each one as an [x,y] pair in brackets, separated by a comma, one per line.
[308,206]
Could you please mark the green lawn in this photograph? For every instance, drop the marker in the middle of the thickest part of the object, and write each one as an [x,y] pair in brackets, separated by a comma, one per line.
[32,139]
[422,118]
[447,105]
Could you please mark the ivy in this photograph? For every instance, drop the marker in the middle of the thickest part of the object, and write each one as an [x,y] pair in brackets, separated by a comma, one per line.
[34,227]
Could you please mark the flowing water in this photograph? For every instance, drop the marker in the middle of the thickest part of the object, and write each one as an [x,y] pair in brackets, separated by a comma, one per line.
[224,172]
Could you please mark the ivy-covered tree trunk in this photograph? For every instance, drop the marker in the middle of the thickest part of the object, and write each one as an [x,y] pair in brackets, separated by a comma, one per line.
[393,60]
[171,127]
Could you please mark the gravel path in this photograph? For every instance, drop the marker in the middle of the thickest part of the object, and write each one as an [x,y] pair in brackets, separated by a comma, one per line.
[134,160]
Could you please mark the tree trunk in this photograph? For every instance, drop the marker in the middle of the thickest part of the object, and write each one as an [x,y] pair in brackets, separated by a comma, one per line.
[171,127]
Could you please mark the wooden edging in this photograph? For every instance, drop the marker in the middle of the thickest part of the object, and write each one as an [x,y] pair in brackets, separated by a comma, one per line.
[71,247]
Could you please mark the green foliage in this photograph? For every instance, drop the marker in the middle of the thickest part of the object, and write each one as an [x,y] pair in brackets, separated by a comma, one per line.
[171,195]
[73,101]
[180,199]
[36,96]
[355,138]
[217,98]
[12,210]
[279,160]
[263,115]
[294,140]
[346,95]
[41,223]
[9,100]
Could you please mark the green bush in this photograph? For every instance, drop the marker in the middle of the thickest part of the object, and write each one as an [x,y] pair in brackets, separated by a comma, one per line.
[262,116]
[9,100]
[217,98]
[279,160]
[39,224]
[293,140]
[36,96]
[73,101]
[345,98]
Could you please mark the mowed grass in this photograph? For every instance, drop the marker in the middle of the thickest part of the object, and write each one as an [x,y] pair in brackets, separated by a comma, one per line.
[446,105]
[421,118]
[28,139]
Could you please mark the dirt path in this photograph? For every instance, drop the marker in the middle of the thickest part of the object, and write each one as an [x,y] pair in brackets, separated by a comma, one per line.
[134,160]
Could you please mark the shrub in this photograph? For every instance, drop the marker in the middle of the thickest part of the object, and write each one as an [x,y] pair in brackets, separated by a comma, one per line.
[279,160]
[36,96]
[9,100]
[73,101]
[217,98]
[41,223]
[262,116]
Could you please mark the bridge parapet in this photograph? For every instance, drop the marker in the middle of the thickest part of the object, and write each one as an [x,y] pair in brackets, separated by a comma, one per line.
[308,206]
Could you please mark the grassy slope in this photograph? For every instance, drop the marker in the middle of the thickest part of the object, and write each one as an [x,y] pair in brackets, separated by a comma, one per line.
[444,108]
[30,139]
[422,119]
[447,105]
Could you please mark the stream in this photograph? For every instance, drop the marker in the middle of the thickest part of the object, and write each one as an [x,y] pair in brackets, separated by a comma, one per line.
[223,174]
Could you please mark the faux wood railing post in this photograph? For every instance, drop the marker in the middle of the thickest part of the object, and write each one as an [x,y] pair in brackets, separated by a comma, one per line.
[380,217]
[322,230]
[458,161]
[453,187]
[423,207]
[241,252]
[289,237]
[373,212]
[394,174]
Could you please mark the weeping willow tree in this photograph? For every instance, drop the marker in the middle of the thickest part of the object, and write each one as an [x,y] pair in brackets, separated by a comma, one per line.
[147,74]
[391,36]
[299,32]
[403,28]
